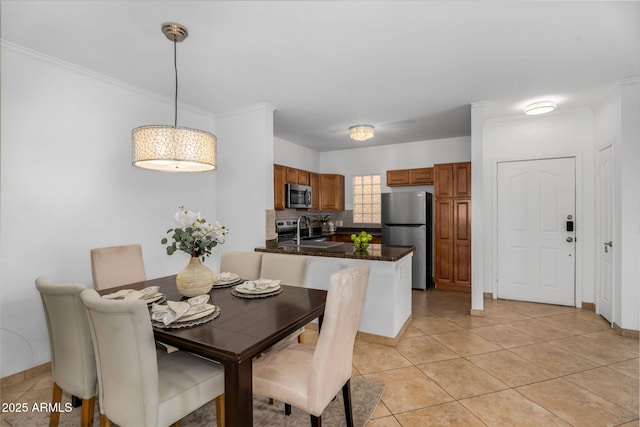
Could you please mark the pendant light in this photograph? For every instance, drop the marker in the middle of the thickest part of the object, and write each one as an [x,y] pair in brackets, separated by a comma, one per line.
[173,148]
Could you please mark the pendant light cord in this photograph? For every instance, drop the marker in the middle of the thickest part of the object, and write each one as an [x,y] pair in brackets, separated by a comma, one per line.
[175,67]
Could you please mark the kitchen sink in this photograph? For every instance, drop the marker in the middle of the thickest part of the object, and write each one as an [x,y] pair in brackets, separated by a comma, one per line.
[310,243]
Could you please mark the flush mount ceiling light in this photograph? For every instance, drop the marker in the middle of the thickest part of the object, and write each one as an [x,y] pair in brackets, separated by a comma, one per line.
[361,132]
[173,148]
[541,107]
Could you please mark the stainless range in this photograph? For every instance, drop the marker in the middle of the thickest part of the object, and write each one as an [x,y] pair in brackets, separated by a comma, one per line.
[286,229]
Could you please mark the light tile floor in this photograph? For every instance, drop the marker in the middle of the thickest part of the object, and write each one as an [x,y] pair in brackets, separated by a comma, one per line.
[521,364]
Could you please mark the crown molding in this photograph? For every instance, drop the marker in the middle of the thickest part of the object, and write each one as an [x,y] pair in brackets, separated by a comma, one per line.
[101,77]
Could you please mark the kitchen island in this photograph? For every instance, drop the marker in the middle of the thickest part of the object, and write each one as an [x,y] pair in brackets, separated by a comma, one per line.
[387,309]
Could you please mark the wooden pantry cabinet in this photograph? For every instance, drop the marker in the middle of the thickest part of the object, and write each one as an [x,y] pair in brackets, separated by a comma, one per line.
[452,231]
[405,177]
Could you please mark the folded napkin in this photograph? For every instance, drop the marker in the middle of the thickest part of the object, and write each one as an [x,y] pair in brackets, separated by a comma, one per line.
[132,294]
[259,285]
[175,310]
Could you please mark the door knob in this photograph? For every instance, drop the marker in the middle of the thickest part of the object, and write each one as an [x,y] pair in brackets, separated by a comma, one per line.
[569,239]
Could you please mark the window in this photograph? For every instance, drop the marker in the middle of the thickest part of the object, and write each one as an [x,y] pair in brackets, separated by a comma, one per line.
[366,198]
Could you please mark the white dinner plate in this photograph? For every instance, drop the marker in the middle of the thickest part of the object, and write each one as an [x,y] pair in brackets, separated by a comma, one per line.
[232,278]
[242,290]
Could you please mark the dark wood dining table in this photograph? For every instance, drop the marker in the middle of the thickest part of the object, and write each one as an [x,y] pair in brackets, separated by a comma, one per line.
[245,328]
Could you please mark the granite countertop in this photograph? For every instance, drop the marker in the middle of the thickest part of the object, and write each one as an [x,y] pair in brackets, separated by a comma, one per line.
[374,252]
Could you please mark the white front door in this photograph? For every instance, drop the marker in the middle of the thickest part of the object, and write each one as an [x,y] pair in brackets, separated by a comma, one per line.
[604,233]
[536,253]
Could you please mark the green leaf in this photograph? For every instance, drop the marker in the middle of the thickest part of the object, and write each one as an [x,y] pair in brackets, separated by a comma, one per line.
[164,241]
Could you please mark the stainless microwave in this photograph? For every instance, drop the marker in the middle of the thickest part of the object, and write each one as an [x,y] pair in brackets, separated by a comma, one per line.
[297,196]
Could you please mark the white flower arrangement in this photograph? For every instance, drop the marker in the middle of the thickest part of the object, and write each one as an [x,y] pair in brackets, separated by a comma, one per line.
[195,235]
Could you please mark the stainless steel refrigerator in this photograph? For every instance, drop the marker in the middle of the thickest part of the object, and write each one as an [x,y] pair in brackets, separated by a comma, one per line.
[407,221]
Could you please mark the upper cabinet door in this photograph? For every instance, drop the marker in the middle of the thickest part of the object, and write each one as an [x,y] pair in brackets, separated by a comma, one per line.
[279,179]
[443,182]
[292,176]
[462,179]
[397,177]
[452,180]
[421,176]
[332,192]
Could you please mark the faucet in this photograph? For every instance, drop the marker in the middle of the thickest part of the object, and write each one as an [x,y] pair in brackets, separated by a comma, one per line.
[306,221]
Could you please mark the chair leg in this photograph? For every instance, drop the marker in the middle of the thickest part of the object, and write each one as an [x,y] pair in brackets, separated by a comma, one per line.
[54,419]
[86,414]
[271,401]
[287,409]
[348,410]
[316,421]
[76,402]
[220,410]
[301,338]
[104,421]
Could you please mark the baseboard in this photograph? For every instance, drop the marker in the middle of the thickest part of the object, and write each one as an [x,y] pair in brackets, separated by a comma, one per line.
[628,333]
[379,339]
[26,374]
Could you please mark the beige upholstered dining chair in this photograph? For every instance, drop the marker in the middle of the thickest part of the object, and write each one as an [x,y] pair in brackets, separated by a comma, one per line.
[73,366]
[309,378]
[245,264]
[290,270]
[116,266]
[137,388]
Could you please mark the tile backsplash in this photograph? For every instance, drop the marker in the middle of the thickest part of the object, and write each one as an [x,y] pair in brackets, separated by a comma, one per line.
[342,219]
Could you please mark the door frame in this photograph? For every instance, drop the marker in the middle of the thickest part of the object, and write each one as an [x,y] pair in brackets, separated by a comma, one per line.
[579,233]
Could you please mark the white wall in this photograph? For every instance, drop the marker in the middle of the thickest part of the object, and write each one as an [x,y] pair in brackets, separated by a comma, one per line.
[617,124]
[627,158]
[379,159]
[552,135]
[245,181]
[296,156]
[67,185]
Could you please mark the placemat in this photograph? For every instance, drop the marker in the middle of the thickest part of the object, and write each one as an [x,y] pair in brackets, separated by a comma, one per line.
[269,294]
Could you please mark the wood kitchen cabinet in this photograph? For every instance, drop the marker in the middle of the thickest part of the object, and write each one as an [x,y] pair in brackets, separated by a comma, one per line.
[452,231]
[303,177]
[331,192]
[327,190]
[279,180]
[314,182]
[405,177]
[292,175]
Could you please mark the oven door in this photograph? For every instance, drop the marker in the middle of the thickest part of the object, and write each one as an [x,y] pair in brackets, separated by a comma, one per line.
[298,196]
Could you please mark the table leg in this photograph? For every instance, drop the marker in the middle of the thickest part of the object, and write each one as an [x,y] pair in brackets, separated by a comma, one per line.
[238,393]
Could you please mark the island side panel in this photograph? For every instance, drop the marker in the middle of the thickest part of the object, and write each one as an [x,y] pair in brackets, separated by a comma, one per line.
[388,301]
